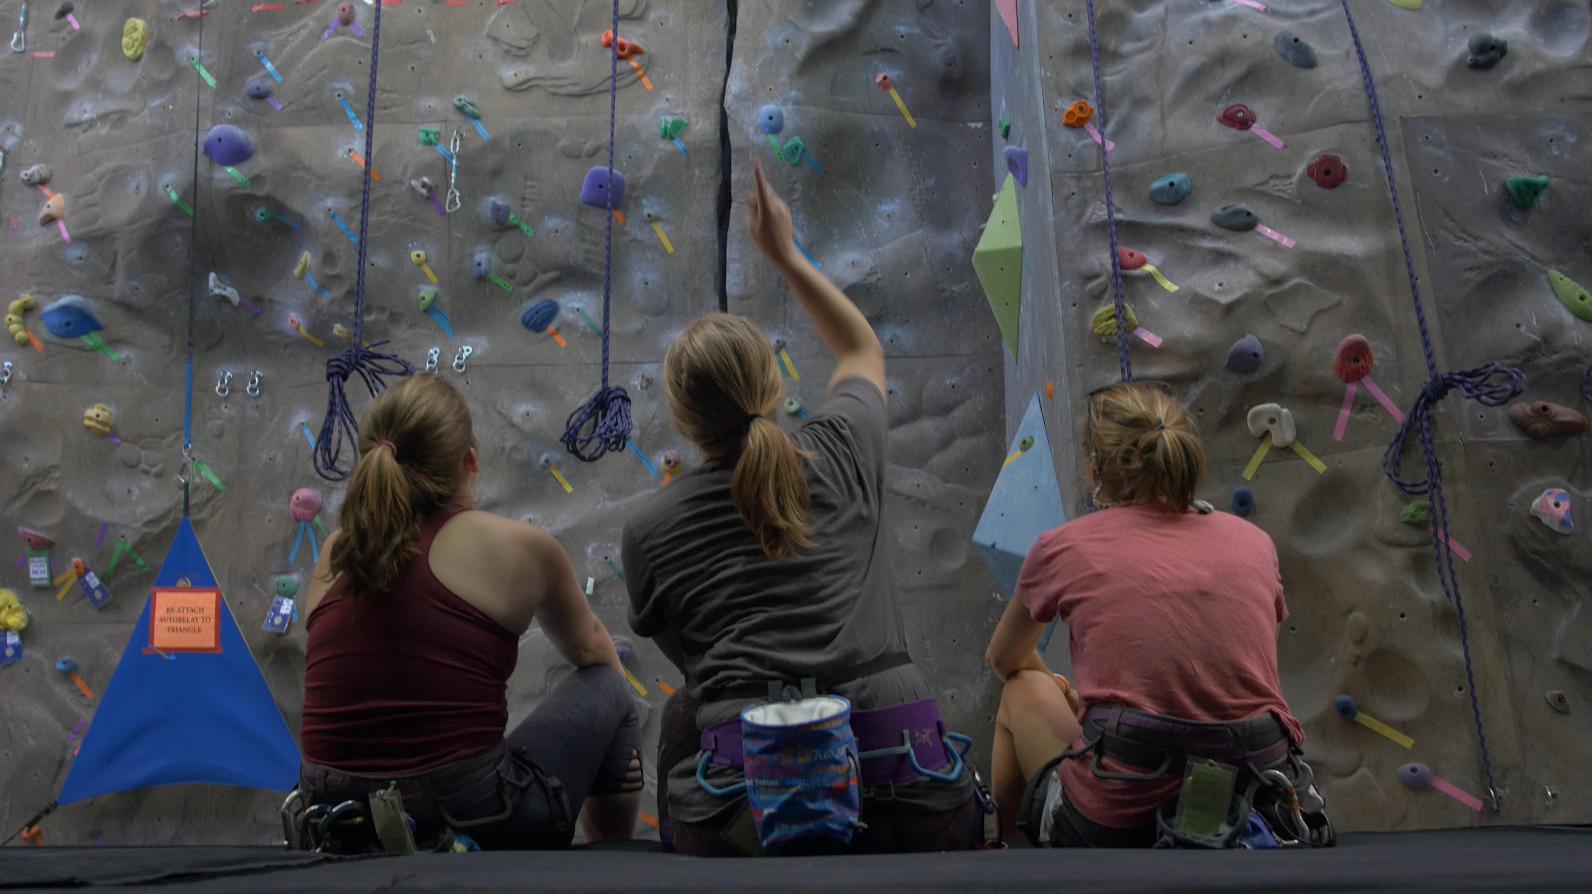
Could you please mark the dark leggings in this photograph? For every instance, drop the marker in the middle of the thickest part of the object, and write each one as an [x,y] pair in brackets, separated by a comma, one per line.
[584,733]
[892,827]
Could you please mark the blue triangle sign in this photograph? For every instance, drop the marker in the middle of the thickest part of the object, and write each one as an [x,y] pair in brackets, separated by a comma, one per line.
[1024,503]
[186,717]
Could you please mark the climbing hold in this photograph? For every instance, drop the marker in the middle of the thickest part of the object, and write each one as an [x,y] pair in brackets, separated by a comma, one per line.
[286,585]
[791,406]
[1295,50]
[671,127]
[1486,50]
[1418,513]
[1237,116]
[649,215]
[424,186]
[1004,125]
[135,35]
[1345,707]
[98,419]
[1328,171]
[1128,259]
[540,315]
[596,192]
[1026,444]
[1540,419]
[345,13]
[304,505]
[54,209]
[770,119]
[463,104]
[998,261]
[1235,217]
[1552,508]
[70,317]
[221,290]
[1557,701]
[1273,419]
[1243,502]
[428,297]
[65,664]
[1525,191]
[64,10]
[626,48]
[429,136]
[1415,775]
[1246,355]
[671,462]
[35,540]
[498,210]
[258,89]
[792,151]
[481,264]
[36,175]
[1104,321]
[227,145]
[1077,114]
[302,267]
[1171,189]
[1353,360]
[1574,297]
[1017,163]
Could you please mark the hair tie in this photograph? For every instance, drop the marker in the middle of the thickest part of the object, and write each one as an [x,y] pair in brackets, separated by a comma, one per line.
[1159,424]
[390,446]
[746,424]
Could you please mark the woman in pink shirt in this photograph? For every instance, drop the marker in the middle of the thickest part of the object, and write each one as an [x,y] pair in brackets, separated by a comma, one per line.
[1173,611]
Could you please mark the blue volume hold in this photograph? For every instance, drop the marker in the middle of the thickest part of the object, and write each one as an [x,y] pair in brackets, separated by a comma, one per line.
[540,315]
[70,317]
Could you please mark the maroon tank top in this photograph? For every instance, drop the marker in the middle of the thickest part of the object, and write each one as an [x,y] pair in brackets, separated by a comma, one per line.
[406,682]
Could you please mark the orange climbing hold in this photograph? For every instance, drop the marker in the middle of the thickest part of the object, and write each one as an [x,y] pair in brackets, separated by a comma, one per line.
[1077,114]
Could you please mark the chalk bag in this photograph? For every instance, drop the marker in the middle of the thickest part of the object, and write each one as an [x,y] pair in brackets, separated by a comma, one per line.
[801,770]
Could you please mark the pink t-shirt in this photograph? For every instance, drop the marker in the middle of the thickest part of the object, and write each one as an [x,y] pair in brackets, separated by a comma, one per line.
[1172,614]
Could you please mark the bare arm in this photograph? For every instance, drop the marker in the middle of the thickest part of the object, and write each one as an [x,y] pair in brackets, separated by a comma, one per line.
[321,578]
[564,613]
[841,325]
[1015,645]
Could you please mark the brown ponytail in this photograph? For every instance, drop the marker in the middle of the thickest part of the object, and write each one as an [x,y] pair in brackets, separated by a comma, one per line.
[412,442]
[722,384]
[1144,447]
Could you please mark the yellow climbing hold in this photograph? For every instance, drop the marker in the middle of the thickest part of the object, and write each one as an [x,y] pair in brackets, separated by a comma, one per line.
[13,615]
[135,34]
[1104,321]
[302,267]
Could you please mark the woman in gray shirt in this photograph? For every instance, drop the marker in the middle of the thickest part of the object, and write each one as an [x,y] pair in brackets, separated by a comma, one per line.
[764,571]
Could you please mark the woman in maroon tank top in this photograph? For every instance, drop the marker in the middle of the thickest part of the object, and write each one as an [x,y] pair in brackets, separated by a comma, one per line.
[415,614]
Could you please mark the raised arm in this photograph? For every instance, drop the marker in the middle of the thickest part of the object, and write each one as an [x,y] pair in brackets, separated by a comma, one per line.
[841,325]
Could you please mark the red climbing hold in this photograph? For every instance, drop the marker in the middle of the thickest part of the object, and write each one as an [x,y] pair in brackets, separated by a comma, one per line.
[1328,171]
[1128,259]
[1353,360]
[1237,116]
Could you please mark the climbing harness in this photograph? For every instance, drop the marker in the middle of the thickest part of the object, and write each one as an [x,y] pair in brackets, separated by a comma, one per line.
[603,422]
[1124,356]
[1476,384]
[360,359]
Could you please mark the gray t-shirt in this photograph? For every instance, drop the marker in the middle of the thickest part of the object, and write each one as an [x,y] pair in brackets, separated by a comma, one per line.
[690,560]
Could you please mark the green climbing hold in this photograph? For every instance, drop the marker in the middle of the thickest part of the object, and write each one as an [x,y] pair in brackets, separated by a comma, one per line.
[998,261]
[1573,296]
[1026,443]
[1525,191]
[135,36]
[1418,514]
[671,127]
[430,136]
[463,104]
[1004,123]
[794,147]
[1104,321]
[428,297]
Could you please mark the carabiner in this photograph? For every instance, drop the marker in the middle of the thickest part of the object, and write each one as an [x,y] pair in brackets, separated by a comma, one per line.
[431,359]
[19,40]
[459,358]
[253,388]
[224,386]
[453,202]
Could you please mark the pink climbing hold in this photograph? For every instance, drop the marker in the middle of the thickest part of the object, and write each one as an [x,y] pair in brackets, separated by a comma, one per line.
[1353,360]
[1328,171]
[305,505]
[1237,116]
[1128,259]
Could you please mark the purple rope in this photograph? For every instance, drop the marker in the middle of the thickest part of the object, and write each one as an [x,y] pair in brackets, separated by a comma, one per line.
[607,413]
[371,366]
[1124,357]
[1472,383]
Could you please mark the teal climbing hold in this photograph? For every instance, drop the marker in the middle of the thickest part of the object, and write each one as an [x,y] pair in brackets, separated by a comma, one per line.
[1235,217]
[1004,124]
[1525,191]
[1171,189]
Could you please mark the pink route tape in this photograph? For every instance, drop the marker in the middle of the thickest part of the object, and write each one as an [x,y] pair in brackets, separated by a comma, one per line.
[1268,136]
[1387,403]
[1455,792]
[62,225]
[1252,4]
[1343,414]
[1453,544]
[1148,337]
[1269,233]
[1095,135]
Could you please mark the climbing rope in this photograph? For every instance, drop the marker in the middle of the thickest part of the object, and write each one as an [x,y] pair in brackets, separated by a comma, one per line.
[370,365]
[185,473]
[607,413]
[1474,384]
[1124,356]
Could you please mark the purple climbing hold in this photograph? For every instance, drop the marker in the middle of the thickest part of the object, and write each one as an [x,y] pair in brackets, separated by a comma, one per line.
[258,90]
[1415,775]
[596,191]
[1017,163]
[1246,355]
[481,264]
[498,209]
[227,145]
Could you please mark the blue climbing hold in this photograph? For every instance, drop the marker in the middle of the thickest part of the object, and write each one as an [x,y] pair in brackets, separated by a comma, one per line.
[70,317]
[1017,163]
[1243,502]
[770,119]
[1171,189]
[258,90]
[540,315]
[1346,707]
[498,209]
[481,264]
[227,145]
[1246,355]
[65,664]
[595,191]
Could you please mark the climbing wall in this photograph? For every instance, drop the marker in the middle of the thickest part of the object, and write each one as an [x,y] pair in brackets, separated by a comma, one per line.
[892,218]
[1369,618]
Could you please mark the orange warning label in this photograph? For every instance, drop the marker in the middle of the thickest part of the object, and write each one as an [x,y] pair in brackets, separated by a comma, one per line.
[185,619]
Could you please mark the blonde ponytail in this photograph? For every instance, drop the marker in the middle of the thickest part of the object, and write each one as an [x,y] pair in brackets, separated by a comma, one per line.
[722,385]
[412,442]
[1144,447]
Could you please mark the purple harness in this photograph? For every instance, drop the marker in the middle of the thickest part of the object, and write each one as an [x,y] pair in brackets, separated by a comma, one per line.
[910,725]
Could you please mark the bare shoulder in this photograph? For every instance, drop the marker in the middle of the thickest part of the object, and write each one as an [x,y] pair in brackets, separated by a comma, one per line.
[492,538]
